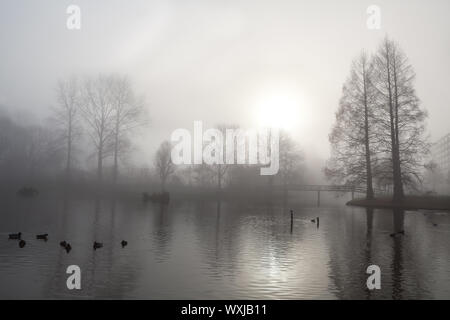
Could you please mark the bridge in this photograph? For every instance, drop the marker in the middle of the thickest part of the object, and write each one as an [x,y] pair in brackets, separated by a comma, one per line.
[329,188]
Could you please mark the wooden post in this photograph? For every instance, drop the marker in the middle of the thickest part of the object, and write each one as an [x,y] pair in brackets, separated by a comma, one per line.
[292,219]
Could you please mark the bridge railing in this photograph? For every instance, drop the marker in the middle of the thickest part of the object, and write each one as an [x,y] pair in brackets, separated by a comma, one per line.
[335,188]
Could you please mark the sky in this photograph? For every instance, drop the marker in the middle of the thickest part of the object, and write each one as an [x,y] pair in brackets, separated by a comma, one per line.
[239,62]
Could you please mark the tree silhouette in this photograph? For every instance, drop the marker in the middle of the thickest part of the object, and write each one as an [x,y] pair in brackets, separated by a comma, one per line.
[401,124]
[353,133]
[163,163]
[66,115]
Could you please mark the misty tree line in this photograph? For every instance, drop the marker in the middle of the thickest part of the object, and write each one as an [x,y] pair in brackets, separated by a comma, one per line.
[234,176]
[95,119]
[104,110]
[378,139]
[108,109]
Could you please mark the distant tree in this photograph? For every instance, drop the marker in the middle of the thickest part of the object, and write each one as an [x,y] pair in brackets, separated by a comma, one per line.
[221,169]
[204,175]
[163,163]
[40,151]
[401,124]
[6,126]
[66,116]
[290,160]
[128,114]
[352,136]
[98,112]
[27,152]
[433,174]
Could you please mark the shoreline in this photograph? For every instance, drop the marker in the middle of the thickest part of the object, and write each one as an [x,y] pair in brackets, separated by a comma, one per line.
[408,203]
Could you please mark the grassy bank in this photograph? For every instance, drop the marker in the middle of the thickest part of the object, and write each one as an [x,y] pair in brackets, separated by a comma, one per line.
[409,203]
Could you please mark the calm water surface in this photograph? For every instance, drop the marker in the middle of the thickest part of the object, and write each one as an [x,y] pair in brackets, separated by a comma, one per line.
[208,250]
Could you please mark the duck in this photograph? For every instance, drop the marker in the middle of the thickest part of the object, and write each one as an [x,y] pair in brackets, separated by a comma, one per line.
[402,232]
[97,245]
[42,236]
[435,224]
[123,243]
[22,243]
[68,247]
[15,236]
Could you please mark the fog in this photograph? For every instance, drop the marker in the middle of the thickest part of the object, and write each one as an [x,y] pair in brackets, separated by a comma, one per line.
[239,149]
[216,61]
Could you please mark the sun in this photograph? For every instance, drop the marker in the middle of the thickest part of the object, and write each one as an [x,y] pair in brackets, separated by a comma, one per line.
[278,110]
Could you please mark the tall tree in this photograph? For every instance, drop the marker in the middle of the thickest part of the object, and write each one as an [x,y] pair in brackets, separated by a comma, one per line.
[66,115]
[128,115]
[163,163]
[402,124]
[98,114]
[353,132]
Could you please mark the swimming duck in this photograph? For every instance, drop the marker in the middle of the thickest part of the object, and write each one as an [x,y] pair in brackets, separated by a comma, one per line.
[97,245]
[123,243]
[402,232]
[68,247]
[42,236]
[63,243]
[22,243]
[15,236]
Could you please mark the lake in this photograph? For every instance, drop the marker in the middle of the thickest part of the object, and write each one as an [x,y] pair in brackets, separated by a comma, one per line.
[210,250]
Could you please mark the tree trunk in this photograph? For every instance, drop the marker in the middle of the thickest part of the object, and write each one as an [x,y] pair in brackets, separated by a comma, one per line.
[396,175]
[163,184]
[69,151]
[116,151]
[369,187]
[100,164]
[398,183]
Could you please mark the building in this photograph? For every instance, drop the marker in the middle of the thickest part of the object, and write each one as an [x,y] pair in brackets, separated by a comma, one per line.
[440,152]
[439,178]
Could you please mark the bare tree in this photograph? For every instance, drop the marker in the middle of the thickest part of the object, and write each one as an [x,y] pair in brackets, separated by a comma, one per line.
[402,124]
[98,114]
[353,133]
[128,115]
[66,116]
[221,169]
[27,152]
[290,160]
[163,163]
[40,150]
[204,175]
